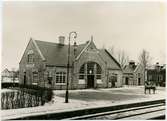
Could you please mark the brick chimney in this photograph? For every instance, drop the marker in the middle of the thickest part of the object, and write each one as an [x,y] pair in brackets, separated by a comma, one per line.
[132,64]
[61,40]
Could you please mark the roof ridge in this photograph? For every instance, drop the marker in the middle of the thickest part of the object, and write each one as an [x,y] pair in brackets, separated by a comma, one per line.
[47,41]
[57,42]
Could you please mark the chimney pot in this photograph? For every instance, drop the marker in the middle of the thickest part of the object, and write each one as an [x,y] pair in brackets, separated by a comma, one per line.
[61,40]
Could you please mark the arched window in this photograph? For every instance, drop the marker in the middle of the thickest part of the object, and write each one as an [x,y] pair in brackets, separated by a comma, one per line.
[81,71]
[92,67]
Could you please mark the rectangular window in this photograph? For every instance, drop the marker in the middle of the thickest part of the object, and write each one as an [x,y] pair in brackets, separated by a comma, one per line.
[30,58]
[150,77]
[114,78]
[60,77]
[81,76]
[98,76]
[160,77]
[35,77]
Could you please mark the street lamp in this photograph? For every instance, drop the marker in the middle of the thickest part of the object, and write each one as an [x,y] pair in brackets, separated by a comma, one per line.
[68,63]
[157,73]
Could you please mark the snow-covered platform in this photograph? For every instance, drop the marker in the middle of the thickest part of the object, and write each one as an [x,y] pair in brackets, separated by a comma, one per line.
[87,98]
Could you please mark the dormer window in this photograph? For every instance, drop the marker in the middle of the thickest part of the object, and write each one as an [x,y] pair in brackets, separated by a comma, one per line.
[30,57]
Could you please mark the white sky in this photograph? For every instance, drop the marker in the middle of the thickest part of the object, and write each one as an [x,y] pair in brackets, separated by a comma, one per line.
[130,26]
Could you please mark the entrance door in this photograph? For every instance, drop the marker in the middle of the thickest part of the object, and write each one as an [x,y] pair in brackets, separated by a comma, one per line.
[24,78]
[139,83]
[126,81]
[90,83]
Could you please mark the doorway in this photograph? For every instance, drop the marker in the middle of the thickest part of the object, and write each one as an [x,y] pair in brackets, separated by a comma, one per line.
[139,82]
[126,81]
[24,78]
[90,83]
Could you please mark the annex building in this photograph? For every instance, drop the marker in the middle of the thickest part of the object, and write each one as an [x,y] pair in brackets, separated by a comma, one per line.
[45,64]
[133,74]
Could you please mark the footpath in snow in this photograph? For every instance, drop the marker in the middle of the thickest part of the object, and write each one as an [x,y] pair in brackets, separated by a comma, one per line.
[87,98]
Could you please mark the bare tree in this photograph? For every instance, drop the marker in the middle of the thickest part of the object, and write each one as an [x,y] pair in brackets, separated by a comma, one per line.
[122,58]
[144,59]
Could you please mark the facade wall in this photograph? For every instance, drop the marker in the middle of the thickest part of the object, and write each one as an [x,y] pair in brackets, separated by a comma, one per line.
[158,77]
[51,72]
[38,65]
[118,82]
[139,75]
[47,73]
[135,78]
[89,55]
[128,79]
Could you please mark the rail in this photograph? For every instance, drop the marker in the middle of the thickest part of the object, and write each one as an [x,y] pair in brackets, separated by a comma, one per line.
[114,112]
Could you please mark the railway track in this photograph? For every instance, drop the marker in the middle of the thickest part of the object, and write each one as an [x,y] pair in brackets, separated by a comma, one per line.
[148,111]
[138,110]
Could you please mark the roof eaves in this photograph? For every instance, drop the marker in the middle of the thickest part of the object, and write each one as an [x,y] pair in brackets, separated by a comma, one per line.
[25,49]
[39,51]
[113,58]
[137,67]
[83,50]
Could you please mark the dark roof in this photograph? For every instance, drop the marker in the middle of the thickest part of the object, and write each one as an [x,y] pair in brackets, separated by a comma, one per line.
[5,71]
[109,59]
[56,54]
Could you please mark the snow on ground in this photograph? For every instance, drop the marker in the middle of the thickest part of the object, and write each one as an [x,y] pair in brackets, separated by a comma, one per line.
[87,98]
[7,90]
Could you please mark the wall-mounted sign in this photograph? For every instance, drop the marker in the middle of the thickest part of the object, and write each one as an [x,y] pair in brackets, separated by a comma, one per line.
[99,81]
[81,81]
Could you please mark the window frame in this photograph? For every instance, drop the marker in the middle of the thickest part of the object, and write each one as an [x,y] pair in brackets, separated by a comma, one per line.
[30,58]
[35,75]
[60,78]
[98,73]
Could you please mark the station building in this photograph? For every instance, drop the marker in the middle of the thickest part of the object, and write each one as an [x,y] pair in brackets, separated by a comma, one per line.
[45,64]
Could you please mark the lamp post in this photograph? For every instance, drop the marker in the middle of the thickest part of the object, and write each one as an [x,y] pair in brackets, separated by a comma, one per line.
[157,73]
[68,63]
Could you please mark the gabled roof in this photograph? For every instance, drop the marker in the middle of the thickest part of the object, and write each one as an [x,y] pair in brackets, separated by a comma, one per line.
[56,54]
[137,67]
[153,67]
[5,71]
[112,63]
[129,69]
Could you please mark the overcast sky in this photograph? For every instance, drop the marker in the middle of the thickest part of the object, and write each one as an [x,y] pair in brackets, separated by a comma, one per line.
[129,26]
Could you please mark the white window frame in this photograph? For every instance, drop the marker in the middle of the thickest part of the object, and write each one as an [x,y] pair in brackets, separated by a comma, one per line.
[61,76]
[37,77]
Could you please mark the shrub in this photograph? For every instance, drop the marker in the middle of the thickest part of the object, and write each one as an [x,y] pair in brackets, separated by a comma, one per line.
[8,85]
[35,95]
